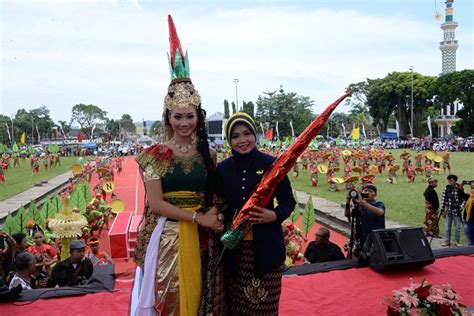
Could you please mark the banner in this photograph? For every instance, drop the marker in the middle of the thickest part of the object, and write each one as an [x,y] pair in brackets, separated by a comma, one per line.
[343,129]
[397,126]
[263,131]
[39,136]
[8,132]
[269,134]
[356,133]
[278,132]
[429,126]
[93,128]
[363,131]
[23,138]
[292,130]
[80,137]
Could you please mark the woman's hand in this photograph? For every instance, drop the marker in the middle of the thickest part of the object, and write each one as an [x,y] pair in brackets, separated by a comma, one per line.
[210,221]
[262,215]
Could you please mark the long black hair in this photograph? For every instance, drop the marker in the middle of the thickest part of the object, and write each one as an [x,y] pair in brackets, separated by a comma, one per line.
[202,146]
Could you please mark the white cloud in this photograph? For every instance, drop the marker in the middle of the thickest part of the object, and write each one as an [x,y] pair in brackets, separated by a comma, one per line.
[113,54]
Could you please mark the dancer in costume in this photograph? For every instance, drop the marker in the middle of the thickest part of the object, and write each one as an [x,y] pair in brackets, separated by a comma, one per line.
[2,175]
[411,174]
[430,224]
[253,269]
[178,177]
[16,160]
[97,256]
[446,164]
[34,164]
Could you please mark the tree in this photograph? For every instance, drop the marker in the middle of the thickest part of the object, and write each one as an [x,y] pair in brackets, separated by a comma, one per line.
[42,121]
[333,127]
[391,96]
[248,107]
[64,127]
[457,86]
[88,116]
[156,129]
[233,108]
[113,128]
[4,122]
[284,107]
[127,124]
[226,109]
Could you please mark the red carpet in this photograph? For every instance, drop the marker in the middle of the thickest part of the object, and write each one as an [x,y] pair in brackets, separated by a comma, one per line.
[345,292]
[361,291]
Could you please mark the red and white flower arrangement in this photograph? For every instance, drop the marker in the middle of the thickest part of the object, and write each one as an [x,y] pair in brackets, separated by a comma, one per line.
[425,299]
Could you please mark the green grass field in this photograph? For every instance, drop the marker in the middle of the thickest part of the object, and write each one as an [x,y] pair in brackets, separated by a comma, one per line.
[21,179]
[404,201]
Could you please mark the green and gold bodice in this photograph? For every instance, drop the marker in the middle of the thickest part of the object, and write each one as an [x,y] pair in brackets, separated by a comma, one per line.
[176,173]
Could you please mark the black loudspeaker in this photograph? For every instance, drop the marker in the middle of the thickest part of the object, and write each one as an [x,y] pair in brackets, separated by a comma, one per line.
[398,248]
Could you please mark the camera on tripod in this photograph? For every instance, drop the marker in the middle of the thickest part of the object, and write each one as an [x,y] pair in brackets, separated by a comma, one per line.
[354,194]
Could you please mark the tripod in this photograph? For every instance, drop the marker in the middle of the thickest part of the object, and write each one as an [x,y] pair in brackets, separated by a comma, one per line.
[356,230]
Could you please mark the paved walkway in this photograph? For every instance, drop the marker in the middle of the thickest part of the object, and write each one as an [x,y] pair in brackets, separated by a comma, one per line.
[36,192]
[328,213]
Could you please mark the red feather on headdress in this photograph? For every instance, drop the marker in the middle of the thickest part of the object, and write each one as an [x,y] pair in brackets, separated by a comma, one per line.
[175,44]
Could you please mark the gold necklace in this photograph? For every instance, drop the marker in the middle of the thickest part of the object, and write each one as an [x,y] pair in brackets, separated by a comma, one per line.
[182,149]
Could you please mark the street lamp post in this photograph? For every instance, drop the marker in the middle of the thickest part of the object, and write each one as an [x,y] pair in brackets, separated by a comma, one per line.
[411,101]
[236,81]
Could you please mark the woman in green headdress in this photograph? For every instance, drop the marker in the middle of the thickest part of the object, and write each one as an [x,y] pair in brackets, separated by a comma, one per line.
[172,248]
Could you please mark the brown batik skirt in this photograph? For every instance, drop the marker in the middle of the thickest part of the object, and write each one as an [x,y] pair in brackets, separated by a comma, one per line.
[248,294]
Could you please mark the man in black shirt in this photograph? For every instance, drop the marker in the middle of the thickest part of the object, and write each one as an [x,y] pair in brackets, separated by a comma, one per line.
[74,270]
[430,225]
[321,249]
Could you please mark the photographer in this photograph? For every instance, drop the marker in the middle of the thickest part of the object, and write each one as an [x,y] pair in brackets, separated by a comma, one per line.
[367,210]
[74,270]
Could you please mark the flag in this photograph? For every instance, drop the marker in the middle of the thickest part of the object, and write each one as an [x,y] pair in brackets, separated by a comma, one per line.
[39,136]
[62,131]
[23,138]
[343,129]
[92,132]
[80,137]
[278,132]
[8,132]
[355,133]
[429,126]
[363,131]
[224,121]
[263,131]
[397,126]
[269,134]
[292,130]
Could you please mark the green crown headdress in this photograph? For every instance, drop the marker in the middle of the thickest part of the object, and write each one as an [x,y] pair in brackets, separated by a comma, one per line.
[181,92]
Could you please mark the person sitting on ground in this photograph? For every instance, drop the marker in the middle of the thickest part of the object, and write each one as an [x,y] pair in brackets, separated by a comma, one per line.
[96,256]
[25,264]
[321,249]
[74,270]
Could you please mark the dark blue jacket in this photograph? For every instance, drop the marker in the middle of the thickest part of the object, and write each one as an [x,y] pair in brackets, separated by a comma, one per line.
[236,177]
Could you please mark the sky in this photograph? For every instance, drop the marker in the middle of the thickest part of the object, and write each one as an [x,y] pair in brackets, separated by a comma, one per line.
[114,53]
